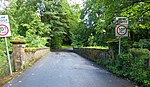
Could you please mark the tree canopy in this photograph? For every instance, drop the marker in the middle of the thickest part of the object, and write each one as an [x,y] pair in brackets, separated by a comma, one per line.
[55,23]
[98,21]
[42,22]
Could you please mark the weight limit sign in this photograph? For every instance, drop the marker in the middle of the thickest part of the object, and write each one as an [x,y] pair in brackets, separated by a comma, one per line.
[121,30]
[5,30]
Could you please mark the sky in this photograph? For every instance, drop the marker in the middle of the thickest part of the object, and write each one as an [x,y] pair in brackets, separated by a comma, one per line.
[72,2]
[3,3]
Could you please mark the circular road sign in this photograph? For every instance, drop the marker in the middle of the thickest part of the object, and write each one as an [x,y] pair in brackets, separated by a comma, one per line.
[3,30]
[122,30]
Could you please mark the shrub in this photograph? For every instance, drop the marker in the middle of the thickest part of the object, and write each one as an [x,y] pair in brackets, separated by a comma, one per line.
[3,64]
[139,69]
[132,65]
[142,43]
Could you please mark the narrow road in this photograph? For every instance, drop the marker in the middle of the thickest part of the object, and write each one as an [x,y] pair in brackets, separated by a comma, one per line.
[67,69]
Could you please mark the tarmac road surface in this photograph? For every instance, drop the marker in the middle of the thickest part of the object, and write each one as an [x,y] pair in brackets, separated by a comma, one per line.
[67,69]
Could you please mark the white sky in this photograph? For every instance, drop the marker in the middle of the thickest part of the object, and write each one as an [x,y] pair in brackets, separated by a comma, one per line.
[3,4]
[72,2]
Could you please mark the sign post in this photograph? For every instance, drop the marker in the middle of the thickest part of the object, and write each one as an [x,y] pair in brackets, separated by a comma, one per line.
[8,56]
[5,32]
[121,29]
[119,46]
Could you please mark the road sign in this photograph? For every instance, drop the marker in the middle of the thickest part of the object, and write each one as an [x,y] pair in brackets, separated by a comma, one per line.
[4,26]
[121,30]
[5,32]
[122,20]
[4,19]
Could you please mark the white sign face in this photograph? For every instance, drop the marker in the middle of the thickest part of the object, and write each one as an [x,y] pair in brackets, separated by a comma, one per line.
[4,19]
[5,30]
[4,26]
[121,30]
[122,20]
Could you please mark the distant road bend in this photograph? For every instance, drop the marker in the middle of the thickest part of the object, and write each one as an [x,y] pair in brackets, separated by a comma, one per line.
[67,69]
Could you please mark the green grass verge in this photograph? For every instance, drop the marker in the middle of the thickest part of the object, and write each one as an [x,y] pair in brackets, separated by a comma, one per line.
[96,47]
[65,46]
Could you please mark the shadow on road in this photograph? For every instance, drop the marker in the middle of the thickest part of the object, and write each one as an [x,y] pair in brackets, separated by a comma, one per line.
[63,50]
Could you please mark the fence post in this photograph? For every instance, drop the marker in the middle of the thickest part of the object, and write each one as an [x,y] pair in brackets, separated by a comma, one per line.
[18,54]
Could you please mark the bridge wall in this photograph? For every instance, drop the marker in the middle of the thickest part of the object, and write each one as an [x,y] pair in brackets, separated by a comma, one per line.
[94,54]
[34,55]
[23,55]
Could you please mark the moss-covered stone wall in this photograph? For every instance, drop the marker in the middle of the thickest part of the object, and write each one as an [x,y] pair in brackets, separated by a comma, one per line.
[94,54]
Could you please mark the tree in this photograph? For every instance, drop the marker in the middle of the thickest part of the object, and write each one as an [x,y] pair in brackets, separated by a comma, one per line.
[59,18]
[26,22]
[99,19]
[139,16]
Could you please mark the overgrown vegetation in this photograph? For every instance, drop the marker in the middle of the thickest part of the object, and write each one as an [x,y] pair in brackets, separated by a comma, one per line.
[97,47]
[38,23]
[98,22]
[97,28]
[133,65]
[54,23]
[3,60]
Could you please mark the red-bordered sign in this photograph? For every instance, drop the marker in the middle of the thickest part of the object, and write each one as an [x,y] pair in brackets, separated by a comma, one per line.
[4,30]
[4,26]
[121,30]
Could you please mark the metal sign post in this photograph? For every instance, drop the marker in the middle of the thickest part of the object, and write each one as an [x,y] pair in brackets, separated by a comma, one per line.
[119,46]
[8,56]
[5,32]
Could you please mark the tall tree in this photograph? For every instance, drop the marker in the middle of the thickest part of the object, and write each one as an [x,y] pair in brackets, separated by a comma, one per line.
[25,21]
[99,19]
[139,17]
[57,15]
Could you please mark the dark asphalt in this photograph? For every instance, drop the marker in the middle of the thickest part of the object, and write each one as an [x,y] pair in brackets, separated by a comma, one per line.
[67,69]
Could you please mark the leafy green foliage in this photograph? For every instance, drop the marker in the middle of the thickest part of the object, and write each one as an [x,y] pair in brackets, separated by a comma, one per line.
[138,14]
[140,72]
[40,23]
[133,65]
[78,36]
[58,16]
[98,17]
[3,59]
[143,43]
[25,21]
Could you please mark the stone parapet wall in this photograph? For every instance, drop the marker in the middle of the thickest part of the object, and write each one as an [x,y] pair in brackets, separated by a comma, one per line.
[94,53]
[23,56]
[34,55]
